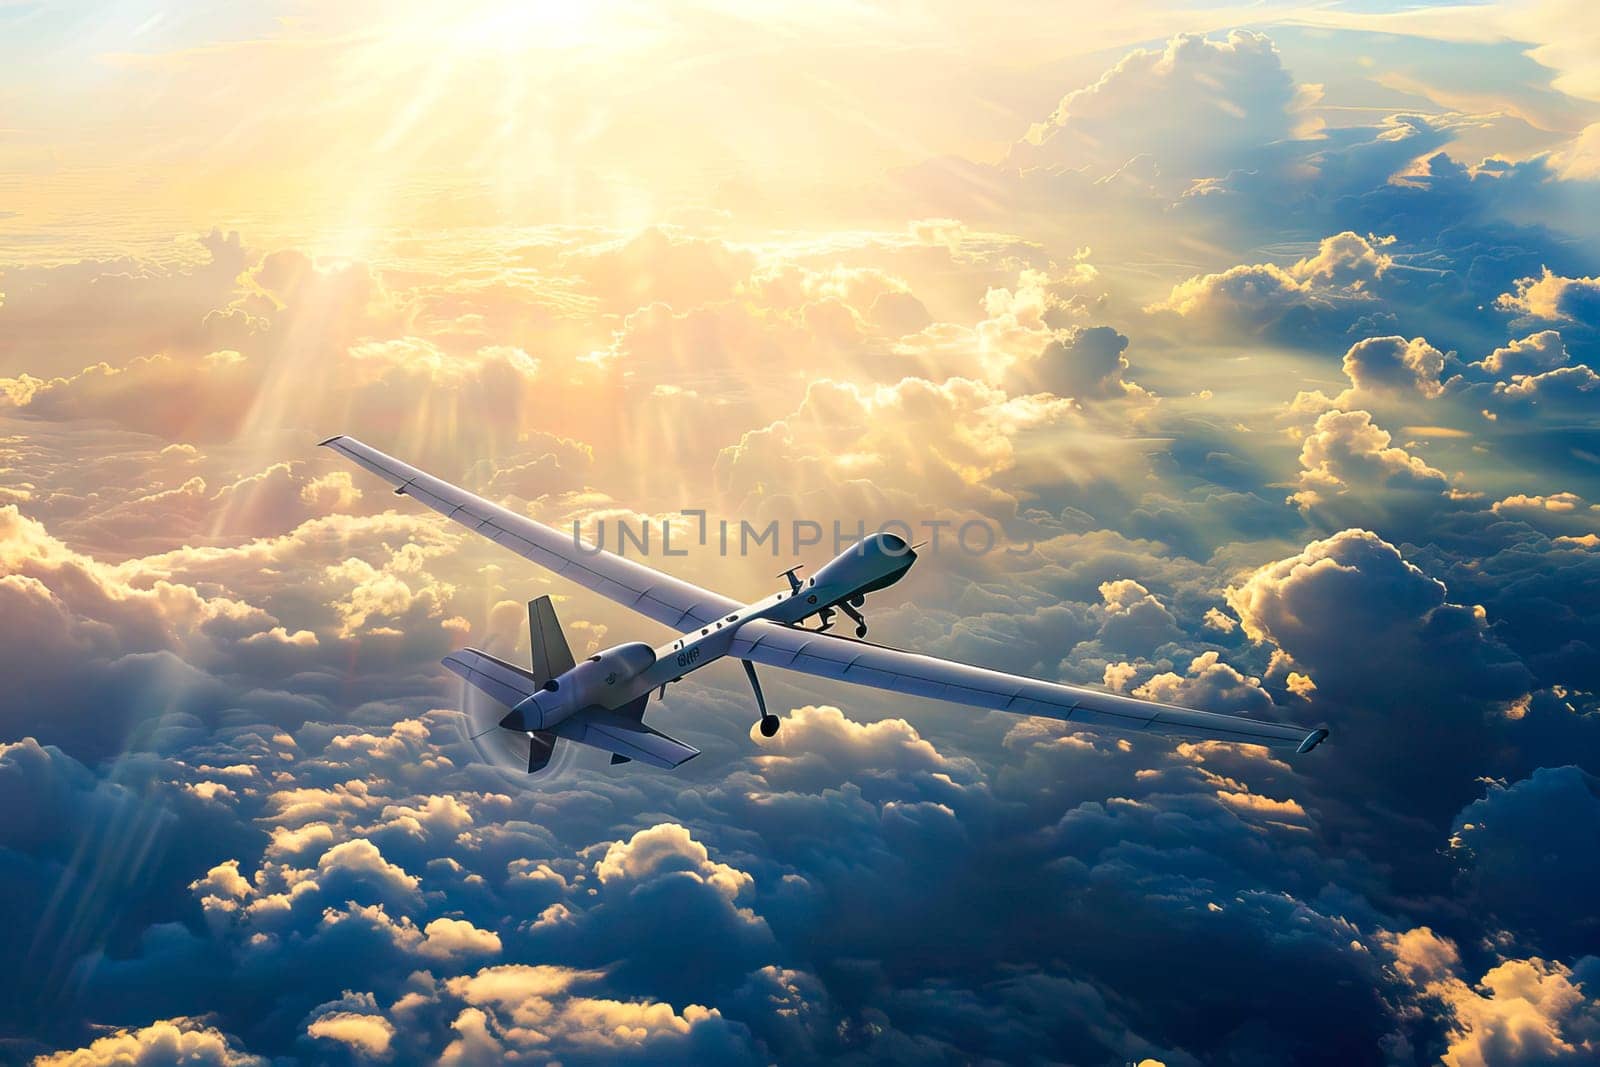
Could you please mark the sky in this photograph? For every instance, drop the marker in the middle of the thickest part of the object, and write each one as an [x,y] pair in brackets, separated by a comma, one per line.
[1263,339]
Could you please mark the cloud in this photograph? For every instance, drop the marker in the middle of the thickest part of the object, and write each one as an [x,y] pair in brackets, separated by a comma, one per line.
[368,1036]
[1534,832]
[519,1011]
[357,869]
[843,434]
[667,847]
[1362,619]
[816,742]
[105,634]
[1553,298]
[1555,514]
[1534,585]
[180,400]
[717,936]
[279,339]
[1526,378]
[144,629]
[222,883]
[1393,364]
[1522,1011]
[1579,159]
[1210,684]
[1083,362]
[1533,354]
[1313,297]
[56,319]
[654,266]
[1560,391]
[71,850]
[1033,337]
[1197,108]
[1135,620]
[1348,467]
[452,938]
[399,588]
[168,1041]
[1564,297]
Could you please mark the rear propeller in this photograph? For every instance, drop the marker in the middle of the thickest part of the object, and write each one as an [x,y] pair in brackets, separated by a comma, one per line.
[511,747]
[511,751]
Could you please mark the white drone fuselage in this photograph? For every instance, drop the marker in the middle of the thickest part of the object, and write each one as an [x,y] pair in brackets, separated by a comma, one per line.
[619,675]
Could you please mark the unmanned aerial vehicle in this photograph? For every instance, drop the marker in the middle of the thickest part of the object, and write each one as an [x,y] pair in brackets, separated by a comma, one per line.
[601,701]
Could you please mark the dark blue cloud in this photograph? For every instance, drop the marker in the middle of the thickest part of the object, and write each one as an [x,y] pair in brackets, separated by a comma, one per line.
[1524,856]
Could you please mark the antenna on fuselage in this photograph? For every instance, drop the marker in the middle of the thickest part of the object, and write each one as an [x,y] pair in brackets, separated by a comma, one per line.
[794,583]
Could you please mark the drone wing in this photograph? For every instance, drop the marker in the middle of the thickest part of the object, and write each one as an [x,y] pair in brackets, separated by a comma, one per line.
[658,596]
[864,663]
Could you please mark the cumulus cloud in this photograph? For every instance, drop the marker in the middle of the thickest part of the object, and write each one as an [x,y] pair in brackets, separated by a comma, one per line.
[1345,454]
[1553,298]
[1395,364]
[1315,296]
[169,1041]
[206,399]
[368,1036]
[1565,298]
[1526,378]
[357,868]
[1197,108]
[1360,618]
[1081,362]
[522,1013]
[1522,1011]
[272,341]
[1554,513]
[1533,354]
[1535,832]
[816,739]
[1135,620]
[68,616]
[451,938]
[655,266]
[1561,391]
[1209,683]
[63,317]
[667,847]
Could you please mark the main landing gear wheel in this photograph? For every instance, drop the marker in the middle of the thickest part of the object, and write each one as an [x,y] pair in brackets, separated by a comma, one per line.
[769,725]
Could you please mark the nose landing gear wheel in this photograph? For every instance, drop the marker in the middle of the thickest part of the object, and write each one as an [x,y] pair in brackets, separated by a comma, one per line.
[769,725]
[849,608]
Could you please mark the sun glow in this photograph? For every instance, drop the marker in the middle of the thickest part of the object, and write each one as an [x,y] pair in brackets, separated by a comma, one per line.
[512,26]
